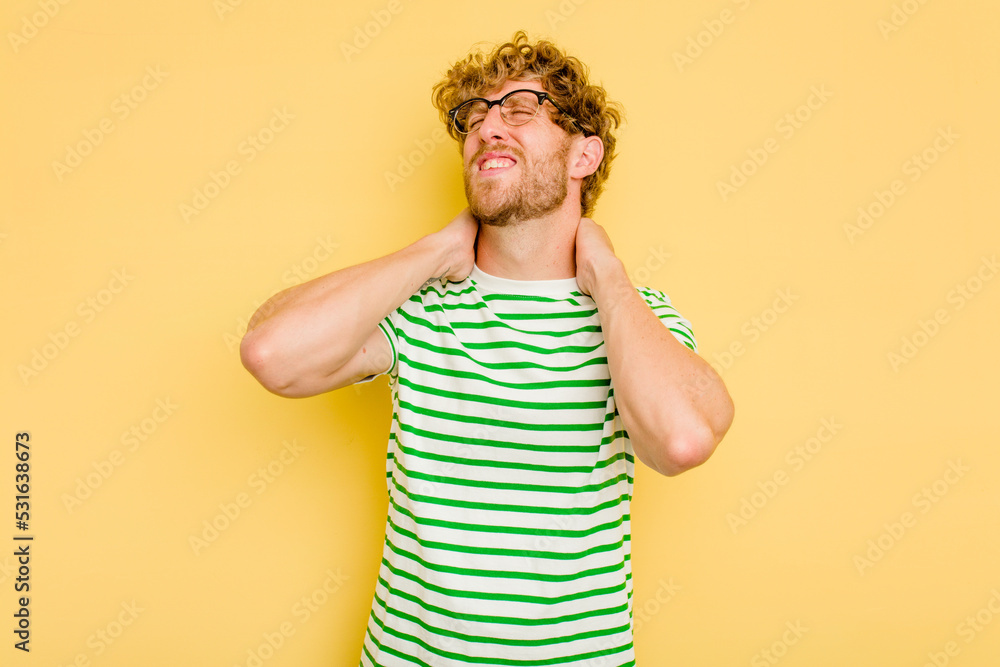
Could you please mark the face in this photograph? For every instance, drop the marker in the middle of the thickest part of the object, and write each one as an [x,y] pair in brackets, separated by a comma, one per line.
[515,173]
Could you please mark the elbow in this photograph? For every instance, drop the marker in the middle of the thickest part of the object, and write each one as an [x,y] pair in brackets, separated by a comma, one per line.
[688,442]
[258,358]
[699,443]
[686,451]
[694,447]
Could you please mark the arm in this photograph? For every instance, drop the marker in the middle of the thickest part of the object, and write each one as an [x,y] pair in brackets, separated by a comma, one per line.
[673,404]
[323,334]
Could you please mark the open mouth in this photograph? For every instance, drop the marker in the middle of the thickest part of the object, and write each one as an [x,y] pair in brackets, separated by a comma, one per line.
[495,163]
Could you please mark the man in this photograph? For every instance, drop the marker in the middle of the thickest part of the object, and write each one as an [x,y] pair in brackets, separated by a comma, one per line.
[527,373]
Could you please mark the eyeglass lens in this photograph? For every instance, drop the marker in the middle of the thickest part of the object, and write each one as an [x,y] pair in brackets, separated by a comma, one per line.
[517,109]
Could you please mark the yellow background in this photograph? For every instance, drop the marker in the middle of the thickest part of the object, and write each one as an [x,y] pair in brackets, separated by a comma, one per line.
[708,590]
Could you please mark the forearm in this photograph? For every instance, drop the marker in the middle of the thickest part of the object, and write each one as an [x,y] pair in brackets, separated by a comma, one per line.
[314,328]
[673,405]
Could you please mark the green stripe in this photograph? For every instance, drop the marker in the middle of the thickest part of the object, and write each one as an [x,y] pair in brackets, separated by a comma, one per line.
[505,620]
[460,352]
[506,574]
[497,324]
[511,530]
[503,597]
[514,486]
[483,421]
[492,324]
[495,296]
[688,340]
[441,307]
[514,344]
[500,507]
[444,437]
[548,641]
[551,315]
[506,444]
[549,384]
[499,551]
[527,297]
[511,465]
[431,289]
[561,315]
[494,400]
[451,326]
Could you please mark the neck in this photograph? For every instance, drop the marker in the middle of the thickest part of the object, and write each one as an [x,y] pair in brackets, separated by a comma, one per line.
[542,248]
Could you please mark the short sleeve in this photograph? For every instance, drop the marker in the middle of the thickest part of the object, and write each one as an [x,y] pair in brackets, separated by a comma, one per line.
[662,308]
[388,329]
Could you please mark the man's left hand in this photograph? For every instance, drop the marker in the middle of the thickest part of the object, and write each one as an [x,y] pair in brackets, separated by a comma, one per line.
[593,250]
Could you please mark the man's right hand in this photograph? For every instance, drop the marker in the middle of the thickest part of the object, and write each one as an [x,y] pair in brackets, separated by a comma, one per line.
[458,238]
[323,334]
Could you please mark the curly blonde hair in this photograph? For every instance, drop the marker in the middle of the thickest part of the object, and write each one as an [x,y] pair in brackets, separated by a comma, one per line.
[562,76]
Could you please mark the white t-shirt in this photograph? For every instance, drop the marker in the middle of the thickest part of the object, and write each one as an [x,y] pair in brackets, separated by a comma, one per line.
[510,481]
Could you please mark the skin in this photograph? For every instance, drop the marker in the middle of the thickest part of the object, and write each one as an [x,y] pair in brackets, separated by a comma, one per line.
[322,335]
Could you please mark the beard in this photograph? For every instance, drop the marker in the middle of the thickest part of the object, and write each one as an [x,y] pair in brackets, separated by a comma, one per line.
[541,188]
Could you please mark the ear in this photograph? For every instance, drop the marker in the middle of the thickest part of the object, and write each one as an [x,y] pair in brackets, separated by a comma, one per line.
[586,156]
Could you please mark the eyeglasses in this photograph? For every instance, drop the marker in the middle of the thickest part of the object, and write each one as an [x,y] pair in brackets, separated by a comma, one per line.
[516,108]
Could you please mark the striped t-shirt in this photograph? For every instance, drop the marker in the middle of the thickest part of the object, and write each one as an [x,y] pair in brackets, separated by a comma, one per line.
[509,473]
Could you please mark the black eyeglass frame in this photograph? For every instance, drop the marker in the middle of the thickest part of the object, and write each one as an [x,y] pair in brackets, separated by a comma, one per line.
[541,95]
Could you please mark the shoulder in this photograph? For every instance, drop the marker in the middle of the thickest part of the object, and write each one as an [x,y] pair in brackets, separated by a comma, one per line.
[663,308]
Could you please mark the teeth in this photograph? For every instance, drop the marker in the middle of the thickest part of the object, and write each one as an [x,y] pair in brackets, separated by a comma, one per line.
[495,163]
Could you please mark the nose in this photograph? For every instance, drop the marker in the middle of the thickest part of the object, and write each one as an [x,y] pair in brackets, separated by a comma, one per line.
[493,126]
